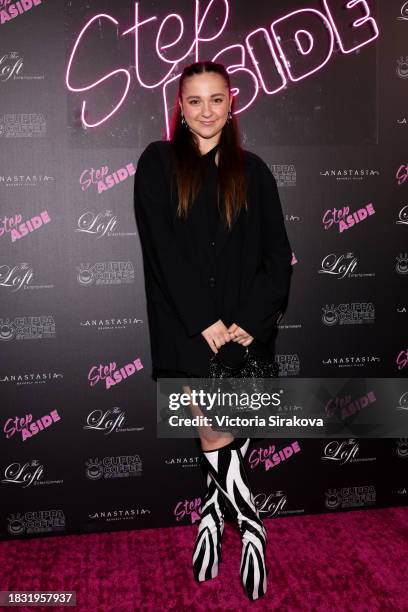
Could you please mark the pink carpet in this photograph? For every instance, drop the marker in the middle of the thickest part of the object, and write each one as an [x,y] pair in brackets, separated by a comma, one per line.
[352,561]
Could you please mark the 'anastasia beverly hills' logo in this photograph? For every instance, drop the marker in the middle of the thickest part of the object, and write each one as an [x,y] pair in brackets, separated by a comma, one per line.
[349,174]
[117,514]
[184,461]
[31,378]
[112,323]
[25,180]
[351,361]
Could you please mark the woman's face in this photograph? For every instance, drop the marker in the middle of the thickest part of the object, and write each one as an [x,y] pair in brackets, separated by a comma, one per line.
[205,104]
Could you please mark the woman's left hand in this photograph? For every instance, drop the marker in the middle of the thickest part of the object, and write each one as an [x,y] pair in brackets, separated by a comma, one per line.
[237,334]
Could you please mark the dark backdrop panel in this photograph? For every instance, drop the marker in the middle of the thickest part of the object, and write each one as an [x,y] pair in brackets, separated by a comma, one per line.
[72,290]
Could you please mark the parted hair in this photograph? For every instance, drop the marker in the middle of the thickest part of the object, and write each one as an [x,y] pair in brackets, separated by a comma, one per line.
[189,171]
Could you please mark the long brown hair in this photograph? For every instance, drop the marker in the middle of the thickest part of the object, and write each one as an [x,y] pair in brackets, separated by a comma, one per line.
[231,168]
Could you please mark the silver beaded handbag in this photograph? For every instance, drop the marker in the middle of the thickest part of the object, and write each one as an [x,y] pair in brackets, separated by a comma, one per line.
[250,366]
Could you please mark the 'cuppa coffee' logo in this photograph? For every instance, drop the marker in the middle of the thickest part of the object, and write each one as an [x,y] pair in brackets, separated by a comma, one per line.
[36,521]
[348,314]
[113,467]
[350,497]
[23,125]
[27,328]
[105,273]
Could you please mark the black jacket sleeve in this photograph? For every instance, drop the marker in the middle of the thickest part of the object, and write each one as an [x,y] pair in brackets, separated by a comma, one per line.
[260,308]
[175,275]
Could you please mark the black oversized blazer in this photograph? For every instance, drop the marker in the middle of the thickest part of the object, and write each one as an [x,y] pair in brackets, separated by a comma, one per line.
[191,281]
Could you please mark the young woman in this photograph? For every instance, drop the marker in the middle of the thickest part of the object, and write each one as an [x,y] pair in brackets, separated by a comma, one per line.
[217,265]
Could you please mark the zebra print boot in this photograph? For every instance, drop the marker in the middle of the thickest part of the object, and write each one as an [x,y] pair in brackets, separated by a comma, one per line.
[227,467]
[207,549]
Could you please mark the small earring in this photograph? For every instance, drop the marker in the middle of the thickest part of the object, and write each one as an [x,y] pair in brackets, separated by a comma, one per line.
[229,116]
[183,121]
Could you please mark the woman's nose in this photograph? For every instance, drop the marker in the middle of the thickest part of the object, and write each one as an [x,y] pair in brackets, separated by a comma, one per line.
[206,111]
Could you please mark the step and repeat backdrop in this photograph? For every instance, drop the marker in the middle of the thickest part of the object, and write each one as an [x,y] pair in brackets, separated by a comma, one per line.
[321,90]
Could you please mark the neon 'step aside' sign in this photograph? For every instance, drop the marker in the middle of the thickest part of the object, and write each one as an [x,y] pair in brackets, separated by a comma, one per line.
[306,36]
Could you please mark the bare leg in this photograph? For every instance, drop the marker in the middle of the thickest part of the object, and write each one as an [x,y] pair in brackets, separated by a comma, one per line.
[210,439]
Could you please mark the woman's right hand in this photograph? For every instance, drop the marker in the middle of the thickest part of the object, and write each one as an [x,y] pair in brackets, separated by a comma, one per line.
[216,335]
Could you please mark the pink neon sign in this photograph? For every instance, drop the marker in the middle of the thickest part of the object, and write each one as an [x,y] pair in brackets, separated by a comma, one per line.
[294,47]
